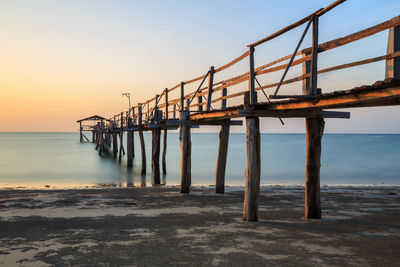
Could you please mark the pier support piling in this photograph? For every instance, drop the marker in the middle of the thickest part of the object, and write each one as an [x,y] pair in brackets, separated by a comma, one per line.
[252,180]
[186,150]
[222,155]
[164,153]
[314,132]
[155,161]
[143,151]
[129,149]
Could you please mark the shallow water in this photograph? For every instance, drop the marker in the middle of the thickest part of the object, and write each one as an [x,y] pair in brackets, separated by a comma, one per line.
[60,160]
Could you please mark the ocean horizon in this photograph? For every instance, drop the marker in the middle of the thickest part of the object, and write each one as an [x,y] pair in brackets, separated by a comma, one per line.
[59,160]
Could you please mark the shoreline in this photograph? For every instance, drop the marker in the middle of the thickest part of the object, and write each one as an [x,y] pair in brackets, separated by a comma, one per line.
[228,188]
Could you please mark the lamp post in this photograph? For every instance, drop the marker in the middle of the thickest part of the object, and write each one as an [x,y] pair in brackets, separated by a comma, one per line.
[128,95]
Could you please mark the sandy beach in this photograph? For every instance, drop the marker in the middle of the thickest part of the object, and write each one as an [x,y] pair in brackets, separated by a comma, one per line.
[159,226]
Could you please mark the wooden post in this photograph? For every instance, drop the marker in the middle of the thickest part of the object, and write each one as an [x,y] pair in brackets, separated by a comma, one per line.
[93,137]
[253,169]
[166,104]
[80,132]
[210,87]
[143,150]
[140,115]
[223,102]
[186,147]
[314,131]
[222,154]
[121,137]
[182,96]
[306,69]
[115,141]
[129,152]
[253,96]
[393,65]
[200,101]
[174,116]
[164,153]
[314,59]
[155,161]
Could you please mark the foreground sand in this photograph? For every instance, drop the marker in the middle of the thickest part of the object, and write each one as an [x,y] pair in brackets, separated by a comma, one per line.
[159,226]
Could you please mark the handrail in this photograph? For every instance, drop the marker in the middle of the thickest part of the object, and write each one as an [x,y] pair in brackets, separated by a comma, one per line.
[203,92]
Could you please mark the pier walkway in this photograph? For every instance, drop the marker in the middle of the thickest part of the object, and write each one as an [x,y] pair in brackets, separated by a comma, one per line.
[207,104]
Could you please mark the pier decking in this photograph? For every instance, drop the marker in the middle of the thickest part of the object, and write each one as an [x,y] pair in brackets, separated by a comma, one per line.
[208,105]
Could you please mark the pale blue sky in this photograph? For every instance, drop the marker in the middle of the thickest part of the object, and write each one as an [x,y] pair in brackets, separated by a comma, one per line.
[80,55]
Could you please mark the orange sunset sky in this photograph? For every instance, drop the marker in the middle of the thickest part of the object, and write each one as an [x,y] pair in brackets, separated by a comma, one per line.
[64,60]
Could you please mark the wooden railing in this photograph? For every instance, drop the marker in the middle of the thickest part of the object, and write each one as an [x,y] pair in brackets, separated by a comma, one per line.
[202,99]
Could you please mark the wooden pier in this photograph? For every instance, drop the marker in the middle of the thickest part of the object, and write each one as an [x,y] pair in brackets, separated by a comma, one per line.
[208,105]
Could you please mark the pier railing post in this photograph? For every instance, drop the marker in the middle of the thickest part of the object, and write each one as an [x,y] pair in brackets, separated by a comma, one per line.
[185,147]
[80,132]
[393,65]
[223,102]
[164,153]
[210,87]
[182,96]
[253,95]
[314,131]
[306,69]
[222,155]
[253,169]
[314,57]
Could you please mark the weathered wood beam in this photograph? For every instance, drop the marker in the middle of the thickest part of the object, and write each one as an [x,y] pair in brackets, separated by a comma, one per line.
[203,122]
[222,114]
[252,180]
[222,155]
[314,131]
[294,114]
[356,98]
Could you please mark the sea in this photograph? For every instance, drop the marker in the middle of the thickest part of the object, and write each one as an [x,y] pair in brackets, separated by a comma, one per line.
[59,160]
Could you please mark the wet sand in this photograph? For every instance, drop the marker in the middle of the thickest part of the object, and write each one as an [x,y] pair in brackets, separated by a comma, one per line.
[159,226]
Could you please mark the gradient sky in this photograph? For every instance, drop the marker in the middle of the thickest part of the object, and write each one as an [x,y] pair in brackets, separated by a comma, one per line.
[64,60]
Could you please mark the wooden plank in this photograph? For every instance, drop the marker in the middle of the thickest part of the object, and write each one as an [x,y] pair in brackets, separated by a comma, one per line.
[185,147]
[252,181]
[347,99]
[210,87]
[222,155]
[314,131]
[294,114]
[393,65]
[164,153]
[222,114]
[156,134]
[143,150]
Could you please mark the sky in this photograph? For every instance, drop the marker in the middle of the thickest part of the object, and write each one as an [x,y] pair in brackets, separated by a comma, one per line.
[65,60]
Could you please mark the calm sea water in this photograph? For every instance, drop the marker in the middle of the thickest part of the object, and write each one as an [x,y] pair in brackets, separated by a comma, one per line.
[58,159]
